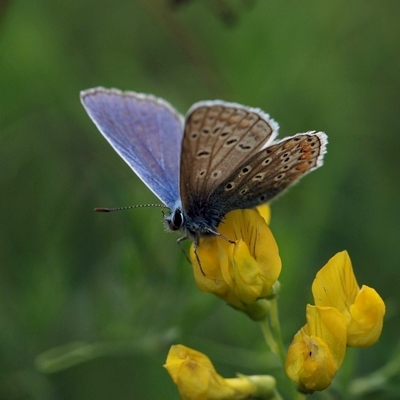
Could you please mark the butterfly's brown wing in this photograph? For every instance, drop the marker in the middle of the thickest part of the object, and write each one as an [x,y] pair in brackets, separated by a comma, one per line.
[271,171]
[218,138]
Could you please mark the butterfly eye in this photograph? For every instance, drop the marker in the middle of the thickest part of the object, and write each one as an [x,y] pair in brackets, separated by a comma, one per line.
[177,220]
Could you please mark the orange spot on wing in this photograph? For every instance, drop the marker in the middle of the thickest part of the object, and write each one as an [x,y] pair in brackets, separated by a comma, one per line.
[306,149]
[302,167]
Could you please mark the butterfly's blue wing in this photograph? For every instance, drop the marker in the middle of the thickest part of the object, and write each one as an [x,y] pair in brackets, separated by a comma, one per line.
[145,131]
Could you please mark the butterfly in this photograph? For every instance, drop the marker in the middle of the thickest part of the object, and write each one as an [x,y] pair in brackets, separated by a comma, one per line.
[221,157]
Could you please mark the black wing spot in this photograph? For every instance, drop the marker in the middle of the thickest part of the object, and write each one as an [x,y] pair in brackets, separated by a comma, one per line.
[243,191]
[246,169]
[194,135]
[223,134]
[203,153]
[258,177]
[244,147]
[266,161]
[231,142]
[206,130]
[229,186]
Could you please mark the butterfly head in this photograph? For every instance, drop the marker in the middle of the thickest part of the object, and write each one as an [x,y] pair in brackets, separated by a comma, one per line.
[193,227]
[175,220]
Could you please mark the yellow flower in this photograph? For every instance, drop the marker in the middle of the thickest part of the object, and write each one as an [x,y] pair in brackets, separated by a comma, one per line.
[336,286]
[197,379]
[318,349]
[265,211]
[244,271]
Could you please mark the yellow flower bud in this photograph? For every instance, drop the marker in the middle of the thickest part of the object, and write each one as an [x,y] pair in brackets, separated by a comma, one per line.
[196,378]
[318,349]
[336,286]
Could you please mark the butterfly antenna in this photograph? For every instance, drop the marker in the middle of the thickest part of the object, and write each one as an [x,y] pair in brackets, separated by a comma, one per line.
[102,209]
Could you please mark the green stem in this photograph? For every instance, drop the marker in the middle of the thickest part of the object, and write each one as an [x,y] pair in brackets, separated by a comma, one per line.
[277,396]
[268,336]
[276,330]
[271,329]
[298,396]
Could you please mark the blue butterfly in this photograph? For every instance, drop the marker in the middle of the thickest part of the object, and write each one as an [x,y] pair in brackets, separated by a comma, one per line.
[220,157]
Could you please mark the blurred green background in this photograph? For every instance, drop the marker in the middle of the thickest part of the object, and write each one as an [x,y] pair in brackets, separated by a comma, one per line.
[117,282]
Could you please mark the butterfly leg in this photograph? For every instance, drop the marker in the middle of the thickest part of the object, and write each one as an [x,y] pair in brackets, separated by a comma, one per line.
[181,239]
[220,235]
[197,256]
[196,240]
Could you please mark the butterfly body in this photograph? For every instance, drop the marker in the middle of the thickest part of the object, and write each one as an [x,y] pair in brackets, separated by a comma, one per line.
[203,223]
[222,156]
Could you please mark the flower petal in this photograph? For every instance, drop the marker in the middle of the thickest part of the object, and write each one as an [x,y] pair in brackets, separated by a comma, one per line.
[254,264]
[367,314]
[265,211]
[335,284]
[208,276]
[318,349]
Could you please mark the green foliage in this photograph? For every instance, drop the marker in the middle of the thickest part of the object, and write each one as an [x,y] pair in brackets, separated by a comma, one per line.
[117,282]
